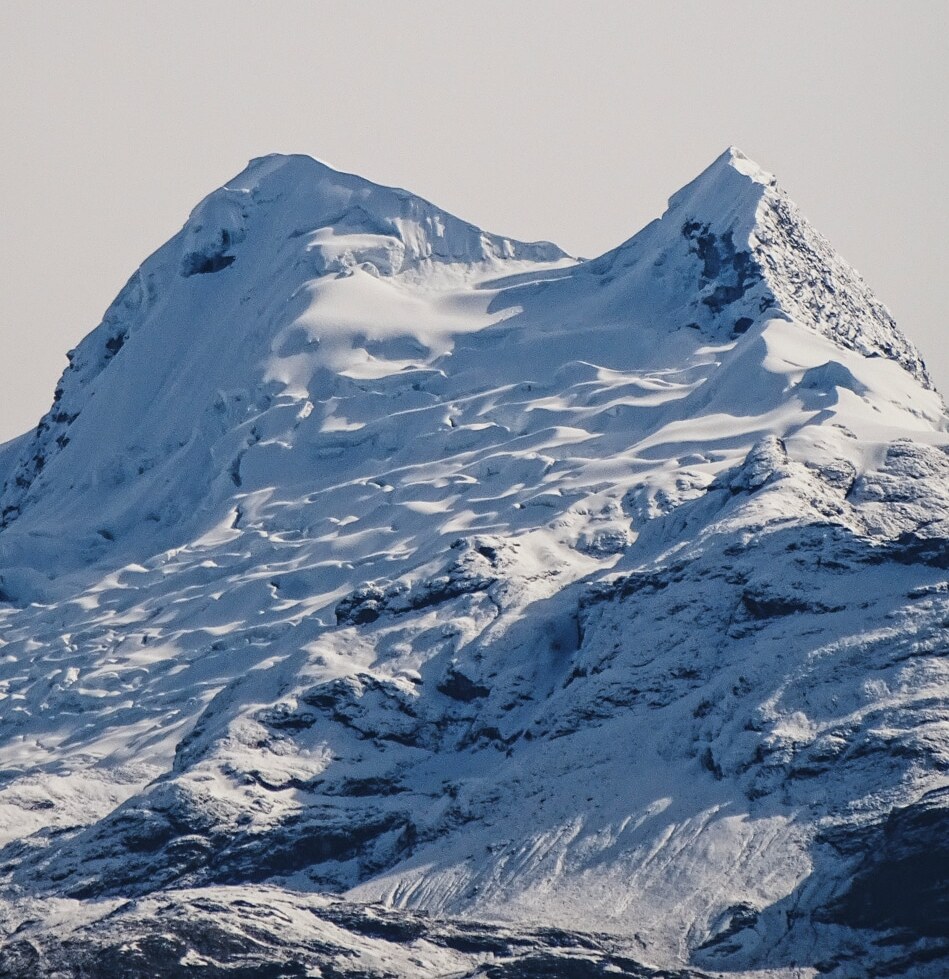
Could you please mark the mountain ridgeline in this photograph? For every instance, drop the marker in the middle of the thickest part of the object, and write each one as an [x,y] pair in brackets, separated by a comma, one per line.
[385,597]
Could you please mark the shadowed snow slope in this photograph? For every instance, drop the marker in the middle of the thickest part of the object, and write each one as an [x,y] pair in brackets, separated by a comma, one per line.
[363,552]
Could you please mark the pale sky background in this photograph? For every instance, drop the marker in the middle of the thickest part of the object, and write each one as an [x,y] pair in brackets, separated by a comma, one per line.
[570,121]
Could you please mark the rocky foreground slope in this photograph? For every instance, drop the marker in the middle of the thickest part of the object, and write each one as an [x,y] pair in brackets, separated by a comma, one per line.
[382,597]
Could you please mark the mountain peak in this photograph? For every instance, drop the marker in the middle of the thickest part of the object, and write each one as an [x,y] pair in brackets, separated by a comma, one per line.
[300,174]
[734,158]
[744,252]
[261,166]
[347,220]
[726,193]
[324,276]
[356,540]
[286,227]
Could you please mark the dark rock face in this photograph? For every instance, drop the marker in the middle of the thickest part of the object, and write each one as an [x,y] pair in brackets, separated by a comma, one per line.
[814,285]
[213,257]
[271,934]
[474,570]
[732,922]
[732,270]
[902,880]
[765,606]
[198,264]
[460,687]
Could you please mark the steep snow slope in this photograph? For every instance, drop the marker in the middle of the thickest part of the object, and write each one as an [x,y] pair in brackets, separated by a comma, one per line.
[365,552]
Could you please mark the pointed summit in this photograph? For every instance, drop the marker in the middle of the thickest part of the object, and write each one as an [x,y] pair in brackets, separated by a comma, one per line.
[726,190]
[743,252]
[734,158]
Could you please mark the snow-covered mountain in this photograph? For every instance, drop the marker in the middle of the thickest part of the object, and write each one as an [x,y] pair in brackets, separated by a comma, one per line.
[381,596]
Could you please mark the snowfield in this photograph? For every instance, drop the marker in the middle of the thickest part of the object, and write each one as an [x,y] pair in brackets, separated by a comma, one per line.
[384,597]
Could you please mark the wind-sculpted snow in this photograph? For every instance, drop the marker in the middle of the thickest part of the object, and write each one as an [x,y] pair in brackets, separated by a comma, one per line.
[287,217]
[365,553]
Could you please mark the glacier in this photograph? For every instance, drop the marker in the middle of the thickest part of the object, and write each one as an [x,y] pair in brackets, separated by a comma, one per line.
[385,597]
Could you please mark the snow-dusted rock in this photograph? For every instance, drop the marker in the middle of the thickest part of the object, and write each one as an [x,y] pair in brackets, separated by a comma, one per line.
[365,552]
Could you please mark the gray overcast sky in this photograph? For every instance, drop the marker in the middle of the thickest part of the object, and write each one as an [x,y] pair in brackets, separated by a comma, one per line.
[561,120]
